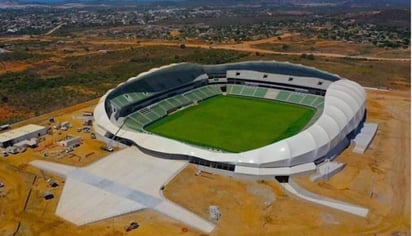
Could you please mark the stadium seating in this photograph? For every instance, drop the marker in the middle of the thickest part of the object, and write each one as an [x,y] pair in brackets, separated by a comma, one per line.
[125,99]
[276,94]
[235,89]
[283,95]
[308,99]
[260,92]
[248,91]
[296,98]
[318,102]
[137,90]
[147,115]
[271,94]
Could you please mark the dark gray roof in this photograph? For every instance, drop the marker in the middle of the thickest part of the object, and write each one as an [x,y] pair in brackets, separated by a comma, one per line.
[179,74]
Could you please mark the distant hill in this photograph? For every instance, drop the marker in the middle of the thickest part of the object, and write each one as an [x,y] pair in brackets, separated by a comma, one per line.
[376,3]
[389,17]
[84,1]
[346,3]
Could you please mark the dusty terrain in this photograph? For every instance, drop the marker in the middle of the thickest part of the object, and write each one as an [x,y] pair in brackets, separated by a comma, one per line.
[68,71]
[379,180]
[59,48]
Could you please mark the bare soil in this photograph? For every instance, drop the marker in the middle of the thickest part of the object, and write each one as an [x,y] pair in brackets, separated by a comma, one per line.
[379,180]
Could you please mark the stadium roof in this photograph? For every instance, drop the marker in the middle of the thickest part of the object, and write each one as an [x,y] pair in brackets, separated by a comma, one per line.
[174,75]
[343,110]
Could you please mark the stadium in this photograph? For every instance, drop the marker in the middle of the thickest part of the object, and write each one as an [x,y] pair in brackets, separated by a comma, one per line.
[259,118]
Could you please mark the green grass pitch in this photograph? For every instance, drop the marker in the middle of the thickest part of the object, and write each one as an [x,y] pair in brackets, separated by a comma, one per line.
[234,124]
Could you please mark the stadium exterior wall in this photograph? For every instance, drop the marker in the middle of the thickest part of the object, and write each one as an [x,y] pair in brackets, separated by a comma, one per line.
[344,111]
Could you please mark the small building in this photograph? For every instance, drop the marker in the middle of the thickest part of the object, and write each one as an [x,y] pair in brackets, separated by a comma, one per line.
[27,132]
[71,141]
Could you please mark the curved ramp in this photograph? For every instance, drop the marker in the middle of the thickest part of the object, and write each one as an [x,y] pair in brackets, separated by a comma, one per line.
[365,137]
[299,192]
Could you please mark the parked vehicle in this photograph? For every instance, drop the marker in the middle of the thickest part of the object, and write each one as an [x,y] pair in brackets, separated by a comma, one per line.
[107,148]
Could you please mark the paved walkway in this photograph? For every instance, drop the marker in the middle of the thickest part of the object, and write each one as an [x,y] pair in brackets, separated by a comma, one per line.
[123,182]
[299,192]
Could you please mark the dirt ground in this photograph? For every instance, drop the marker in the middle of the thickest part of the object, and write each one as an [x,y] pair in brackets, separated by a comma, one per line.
[379,180]
[301,44]
[296,43]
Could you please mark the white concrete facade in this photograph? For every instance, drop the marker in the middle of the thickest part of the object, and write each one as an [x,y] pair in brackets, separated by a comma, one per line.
[344,110]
